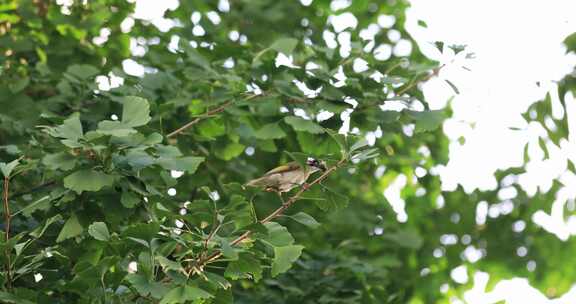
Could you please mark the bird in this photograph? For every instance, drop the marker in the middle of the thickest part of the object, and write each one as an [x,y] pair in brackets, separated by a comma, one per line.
[288,176]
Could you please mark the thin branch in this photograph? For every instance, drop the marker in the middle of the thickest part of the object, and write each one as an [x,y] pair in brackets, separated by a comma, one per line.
[208,114]
[423,79]
[199,119]
[7,218]
[276,213]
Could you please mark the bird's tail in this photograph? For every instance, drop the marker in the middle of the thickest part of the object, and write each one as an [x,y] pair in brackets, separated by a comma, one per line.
[258,182]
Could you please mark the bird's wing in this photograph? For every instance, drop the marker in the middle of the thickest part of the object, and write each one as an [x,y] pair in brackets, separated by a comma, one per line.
[284,168]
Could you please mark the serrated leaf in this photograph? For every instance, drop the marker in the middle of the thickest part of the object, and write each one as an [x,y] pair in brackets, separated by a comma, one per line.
[284,257]
[88,180]
[305,219]
[301,124]
[70,229]
[270,131]
[284,45]
[136,111]
[188,164]
[99,231]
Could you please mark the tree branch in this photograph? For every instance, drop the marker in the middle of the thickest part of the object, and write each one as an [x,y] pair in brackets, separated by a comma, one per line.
[217,110]
[423,79]
[276,213]
[199,119]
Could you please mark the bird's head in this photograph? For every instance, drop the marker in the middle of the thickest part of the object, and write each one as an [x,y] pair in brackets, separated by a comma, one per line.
[317,164]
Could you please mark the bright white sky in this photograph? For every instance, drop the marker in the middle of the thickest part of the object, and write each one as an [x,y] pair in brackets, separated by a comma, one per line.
[516,43]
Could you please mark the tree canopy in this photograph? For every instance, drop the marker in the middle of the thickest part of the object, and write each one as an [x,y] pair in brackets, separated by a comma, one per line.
[125,144]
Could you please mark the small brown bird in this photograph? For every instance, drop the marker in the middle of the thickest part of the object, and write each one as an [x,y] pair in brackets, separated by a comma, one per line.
[286,177]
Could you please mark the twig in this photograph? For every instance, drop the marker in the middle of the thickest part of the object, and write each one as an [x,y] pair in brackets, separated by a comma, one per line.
[423,79]
[276,213]
[7,218]
[210,113]
[198,119]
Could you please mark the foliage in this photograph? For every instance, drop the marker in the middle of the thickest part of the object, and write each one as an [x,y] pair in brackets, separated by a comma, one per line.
[133,194]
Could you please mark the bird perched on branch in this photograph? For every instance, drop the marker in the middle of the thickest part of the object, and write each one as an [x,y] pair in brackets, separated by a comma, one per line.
[286,177]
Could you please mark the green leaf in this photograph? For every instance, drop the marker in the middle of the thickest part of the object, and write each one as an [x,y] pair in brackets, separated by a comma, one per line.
[169,264]
[99,231]
[305,219]
[88,180]
[340,140]
[278,235]
[284,257]
[230,151]
[405,238]
[136,111]
[439,45]
[366,154]
[142,231]
[301,124]
[270,131]
[114,128]
[334,201]
[361,143]
[299,157]
[146,288]
[284,45]
[38,232]
[245,267]
[71,229]
[11,298]
[228,251]
[82,71]
[218,279]
[129,199]
[188,164]
[7,168]
[70,129]
[185,293]
[453,86]
[19,84]
[59,161]
[427,120]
